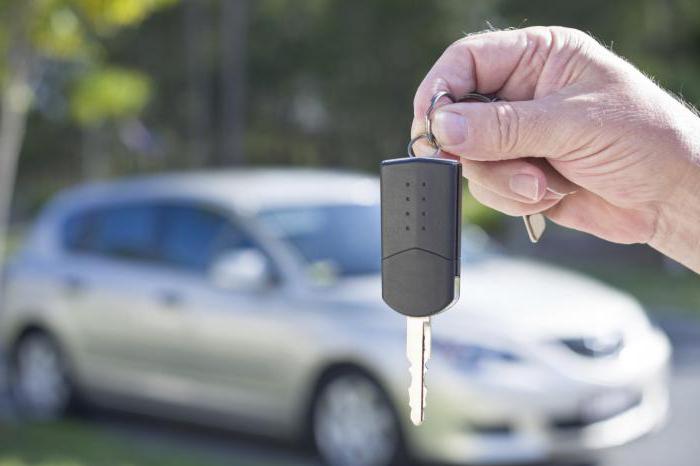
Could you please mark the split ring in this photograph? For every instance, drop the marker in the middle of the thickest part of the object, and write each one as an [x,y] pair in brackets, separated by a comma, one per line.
[413,141]
[428,134]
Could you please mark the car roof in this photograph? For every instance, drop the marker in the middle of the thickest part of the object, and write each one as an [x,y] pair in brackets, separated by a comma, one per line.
[248,190]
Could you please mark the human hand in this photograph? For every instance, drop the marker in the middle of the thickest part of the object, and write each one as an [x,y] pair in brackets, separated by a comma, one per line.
[575,118]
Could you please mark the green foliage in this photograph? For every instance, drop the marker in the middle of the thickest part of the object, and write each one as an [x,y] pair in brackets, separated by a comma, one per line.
[56,31]
[478,214]
[655,289]
[107,16]
[73,31]
[109,93]
[73,443]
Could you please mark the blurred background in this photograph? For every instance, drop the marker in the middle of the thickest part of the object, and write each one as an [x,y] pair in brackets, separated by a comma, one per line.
[99,89]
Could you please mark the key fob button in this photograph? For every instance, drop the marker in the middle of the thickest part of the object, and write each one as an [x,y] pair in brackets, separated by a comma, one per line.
[418,283]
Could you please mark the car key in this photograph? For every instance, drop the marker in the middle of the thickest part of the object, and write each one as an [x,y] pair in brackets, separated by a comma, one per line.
[421,222]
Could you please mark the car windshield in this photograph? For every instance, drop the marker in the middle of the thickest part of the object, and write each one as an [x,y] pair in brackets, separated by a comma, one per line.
[347,237]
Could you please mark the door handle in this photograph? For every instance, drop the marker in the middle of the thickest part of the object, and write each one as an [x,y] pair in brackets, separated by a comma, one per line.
[170,298]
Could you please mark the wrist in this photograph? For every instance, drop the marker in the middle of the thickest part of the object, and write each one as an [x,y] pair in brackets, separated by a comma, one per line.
[677,232]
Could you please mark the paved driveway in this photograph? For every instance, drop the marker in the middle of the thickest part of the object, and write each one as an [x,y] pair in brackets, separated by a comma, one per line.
[678,444]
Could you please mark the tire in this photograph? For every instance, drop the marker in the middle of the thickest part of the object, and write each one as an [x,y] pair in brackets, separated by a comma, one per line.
[353,422]
[39,382]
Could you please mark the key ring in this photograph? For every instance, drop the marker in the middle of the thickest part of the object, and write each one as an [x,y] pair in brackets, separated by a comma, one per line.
[428,134]
[429,116]
[414,140]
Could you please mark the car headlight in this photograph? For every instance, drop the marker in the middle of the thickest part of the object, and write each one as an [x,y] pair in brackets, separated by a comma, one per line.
[472,357]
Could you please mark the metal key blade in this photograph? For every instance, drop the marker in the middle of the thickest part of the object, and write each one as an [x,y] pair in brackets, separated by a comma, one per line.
[535,225]
[418,353]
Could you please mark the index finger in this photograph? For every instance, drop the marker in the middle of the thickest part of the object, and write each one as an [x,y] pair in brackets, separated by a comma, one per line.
[509,63]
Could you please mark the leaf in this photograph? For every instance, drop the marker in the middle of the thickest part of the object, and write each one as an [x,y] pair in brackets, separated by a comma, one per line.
[56,31]
[108,15]
[109,93]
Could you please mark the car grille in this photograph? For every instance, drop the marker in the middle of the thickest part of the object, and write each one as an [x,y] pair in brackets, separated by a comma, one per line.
[595,347]
[580,421]
[491,429]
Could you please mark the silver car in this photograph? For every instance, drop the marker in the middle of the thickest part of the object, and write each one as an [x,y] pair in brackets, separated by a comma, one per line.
[251,300]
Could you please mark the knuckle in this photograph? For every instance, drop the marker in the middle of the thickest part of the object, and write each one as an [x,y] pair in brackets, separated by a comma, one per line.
[572,39]
[539,34]
[507,128]
[572,34]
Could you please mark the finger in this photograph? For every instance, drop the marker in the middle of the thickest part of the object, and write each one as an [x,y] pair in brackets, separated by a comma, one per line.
[509,62]
[513,179]
[507,130]
[422,148]
[557,184]
[590,213]
[522,180]
[506,205]
[418,125]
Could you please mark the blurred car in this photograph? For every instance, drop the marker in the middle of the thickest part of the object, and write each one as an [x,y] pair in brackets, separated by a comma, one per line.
[252,300]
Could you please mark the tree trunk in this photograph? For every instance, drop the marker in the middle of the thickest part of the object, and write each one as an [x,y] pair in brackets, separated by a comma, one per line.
[233,32]
[15,101]
[15,104]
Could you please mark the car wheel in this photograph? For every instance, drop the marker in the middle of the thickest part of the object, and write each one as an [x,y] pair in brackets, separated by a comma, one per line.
[354,423]
[39,380]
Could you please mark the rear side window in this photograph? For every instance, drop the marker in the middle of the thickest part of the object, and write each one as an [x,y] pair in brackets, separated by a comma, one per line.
[126,231]
[76,232]
[183,236]
[192,237]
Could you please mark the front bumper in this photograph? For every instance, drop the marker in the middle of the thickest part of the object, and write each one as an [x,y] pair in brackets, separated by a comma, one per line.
[539,418]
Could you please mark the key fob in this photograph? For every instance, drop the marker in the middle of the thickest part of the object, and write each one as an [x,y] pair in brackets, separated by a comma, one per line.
[421,223]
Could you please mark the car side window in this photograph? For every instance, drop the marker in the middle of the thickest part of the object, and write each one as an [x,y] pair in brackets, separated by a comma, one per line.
[192,237]
[127,232]
[120,231]
[76,231]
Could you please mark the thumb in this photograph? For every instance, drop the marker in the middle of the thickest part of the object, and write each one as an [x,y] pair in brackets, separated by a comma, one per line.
[502,130]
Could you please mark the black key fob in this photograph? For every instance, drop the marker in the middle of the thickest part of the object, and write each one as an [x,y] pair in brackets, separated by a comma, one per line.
[421,223]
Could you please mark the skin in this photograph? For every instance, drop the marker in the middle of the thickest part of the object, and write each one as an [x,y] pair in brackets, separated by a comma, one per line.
[576,119]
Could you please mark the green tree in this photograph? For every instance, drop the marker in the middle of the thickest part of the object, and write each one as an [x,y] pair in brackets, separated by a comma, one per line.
[35,33]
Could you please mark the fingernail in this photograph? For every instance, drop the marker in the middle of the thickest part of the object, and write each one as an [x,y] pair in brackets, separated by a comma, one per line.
[525,185]
[449,128]
[552,195]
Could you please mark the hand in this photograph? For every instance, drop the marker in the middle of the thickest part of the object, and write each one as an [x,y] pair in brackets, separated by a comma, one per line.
[575,119]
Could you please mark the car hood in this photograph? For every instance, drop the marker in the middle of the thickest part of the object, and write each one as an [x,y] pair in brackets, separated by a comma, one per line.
[514,297]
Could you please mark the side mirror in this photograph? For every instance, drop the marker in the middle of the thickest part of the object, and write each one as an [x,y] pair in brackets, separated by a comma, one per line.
[241,270]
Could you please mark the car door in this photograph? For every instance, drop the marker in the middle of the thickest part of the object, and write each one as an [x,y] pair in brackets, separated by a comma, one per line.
[238,340]
[125,309]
